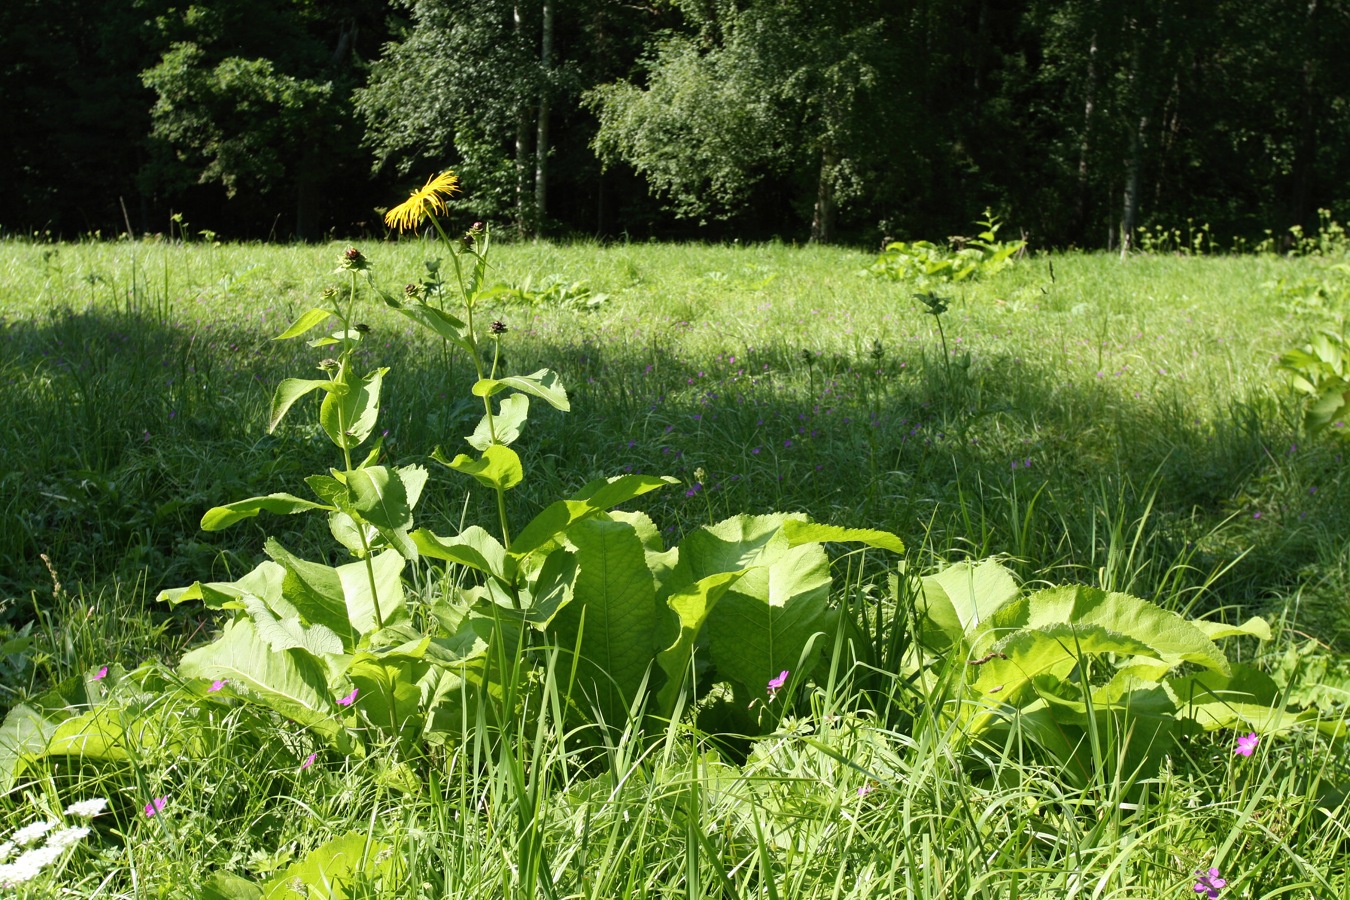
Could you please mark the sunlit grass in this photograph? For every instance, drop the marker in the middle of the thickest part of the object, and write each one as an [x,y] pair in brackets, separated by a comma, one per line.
[1115,424]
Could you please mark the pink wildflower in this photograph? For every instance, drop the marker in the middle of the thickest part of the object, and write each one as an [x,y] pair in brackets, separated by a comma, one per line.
[1246,745]
[309,761]
[776,684]
[155,805]
[1209,883]
[101,673]
[349,699]
[217,685]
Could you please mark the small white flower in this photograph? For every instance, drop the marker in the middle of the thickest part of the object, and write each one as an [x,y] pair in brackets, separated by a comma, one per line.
[67,837]
[29,833]
[28,866]
[5,850]
[87,809]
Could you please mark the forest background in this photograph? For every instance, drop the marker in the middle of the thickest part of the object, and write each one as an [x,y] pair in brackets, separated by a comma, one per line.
[1078,123]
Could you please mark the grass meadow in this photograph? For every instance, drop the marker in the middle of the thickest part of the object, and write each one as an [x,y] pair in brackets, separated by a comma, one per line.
[1118,424]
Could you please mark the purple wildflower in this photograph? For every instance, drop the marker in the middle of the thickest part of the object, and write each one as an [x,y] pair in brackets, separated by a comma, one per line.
[1209,883]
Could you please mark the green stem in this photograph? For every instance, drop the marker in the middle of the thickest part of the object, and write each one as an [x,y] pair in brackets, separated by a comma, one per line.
[478,368]
[347,458]
[946,357]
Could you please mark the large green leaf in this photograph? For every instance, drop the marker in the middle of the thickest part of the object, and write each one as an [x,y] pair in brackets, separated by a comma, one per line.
[306,321]
[765,622]
[378,495]
[23,738]
[954,601]
[315,591]
[1169,637]
[798,532]
[284,632]
[691,606]
[227,886]
[220,517]
[265,582]
[597,496]
[1248,698]
[543,384]
[1256,627]
[391,697]
[444,324]
[349,416]
[291,682]
[505,426]
[613,616]
[472,547]
[387,568]
[499,467]
[331,871]
[291,390]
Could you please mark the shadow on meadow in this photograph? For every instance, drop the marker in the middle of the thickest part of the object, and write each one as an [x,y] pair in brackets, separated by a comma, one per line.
[122,429]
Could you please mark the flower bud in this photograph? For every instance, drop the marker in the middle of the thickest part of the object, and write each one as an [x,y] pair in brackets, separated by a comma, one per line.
[353,260]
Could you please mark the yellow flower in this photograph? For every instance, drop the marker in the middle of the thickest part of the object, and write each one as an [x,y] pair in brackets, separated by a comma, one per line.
[427,200]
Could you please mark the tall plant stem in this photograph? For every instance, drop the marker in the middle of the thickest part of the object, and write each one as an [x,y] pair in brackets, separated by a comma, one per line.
[478,368]
[946,356]
[347,458]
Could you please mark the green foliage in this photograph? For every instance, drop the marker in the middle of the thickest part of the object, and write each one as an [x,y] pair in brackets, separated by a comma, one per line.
[1320,370]
[636,625]
[924,263]
[1074,669]
[469,747]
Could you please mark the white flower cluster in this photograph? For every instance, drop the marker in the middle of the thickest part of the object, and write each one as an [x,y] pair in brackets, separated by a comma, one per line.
[30,863]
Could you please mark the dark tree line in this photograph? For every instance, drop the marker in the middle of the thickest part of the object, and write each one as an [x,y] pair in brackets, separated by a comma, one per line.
[1078,121]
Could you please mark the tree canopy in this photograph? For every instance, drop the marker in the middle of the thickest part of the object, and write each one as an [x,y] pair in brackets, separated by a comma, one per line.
[1079,123]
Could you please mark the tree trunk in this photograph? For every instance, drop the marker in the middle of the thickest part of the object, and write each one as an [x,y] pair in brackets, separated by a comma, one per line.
[822,219]
[1305,148]
[1129,214]
[541,145]
[522,143]
[1085,145]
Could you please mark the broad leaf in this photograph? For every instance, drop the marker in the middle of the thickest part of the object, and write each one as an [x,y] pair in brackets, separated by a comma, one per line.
[691,606]
[329,872]
[226,886]
[505,426]
[356,586]
[220,517]
[960,597]
[291,390]
[349,416]
[444,324]
[612,617]
[377,494]
[1169,637]
[391,697]
[290,682]
[798,532]
[597,496]
[289,632]
[473,547]
[265,581]
[498,469]
[543,384]
[764,623]
[1248,698]
[306,321]
[316,592]
[1256,627]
